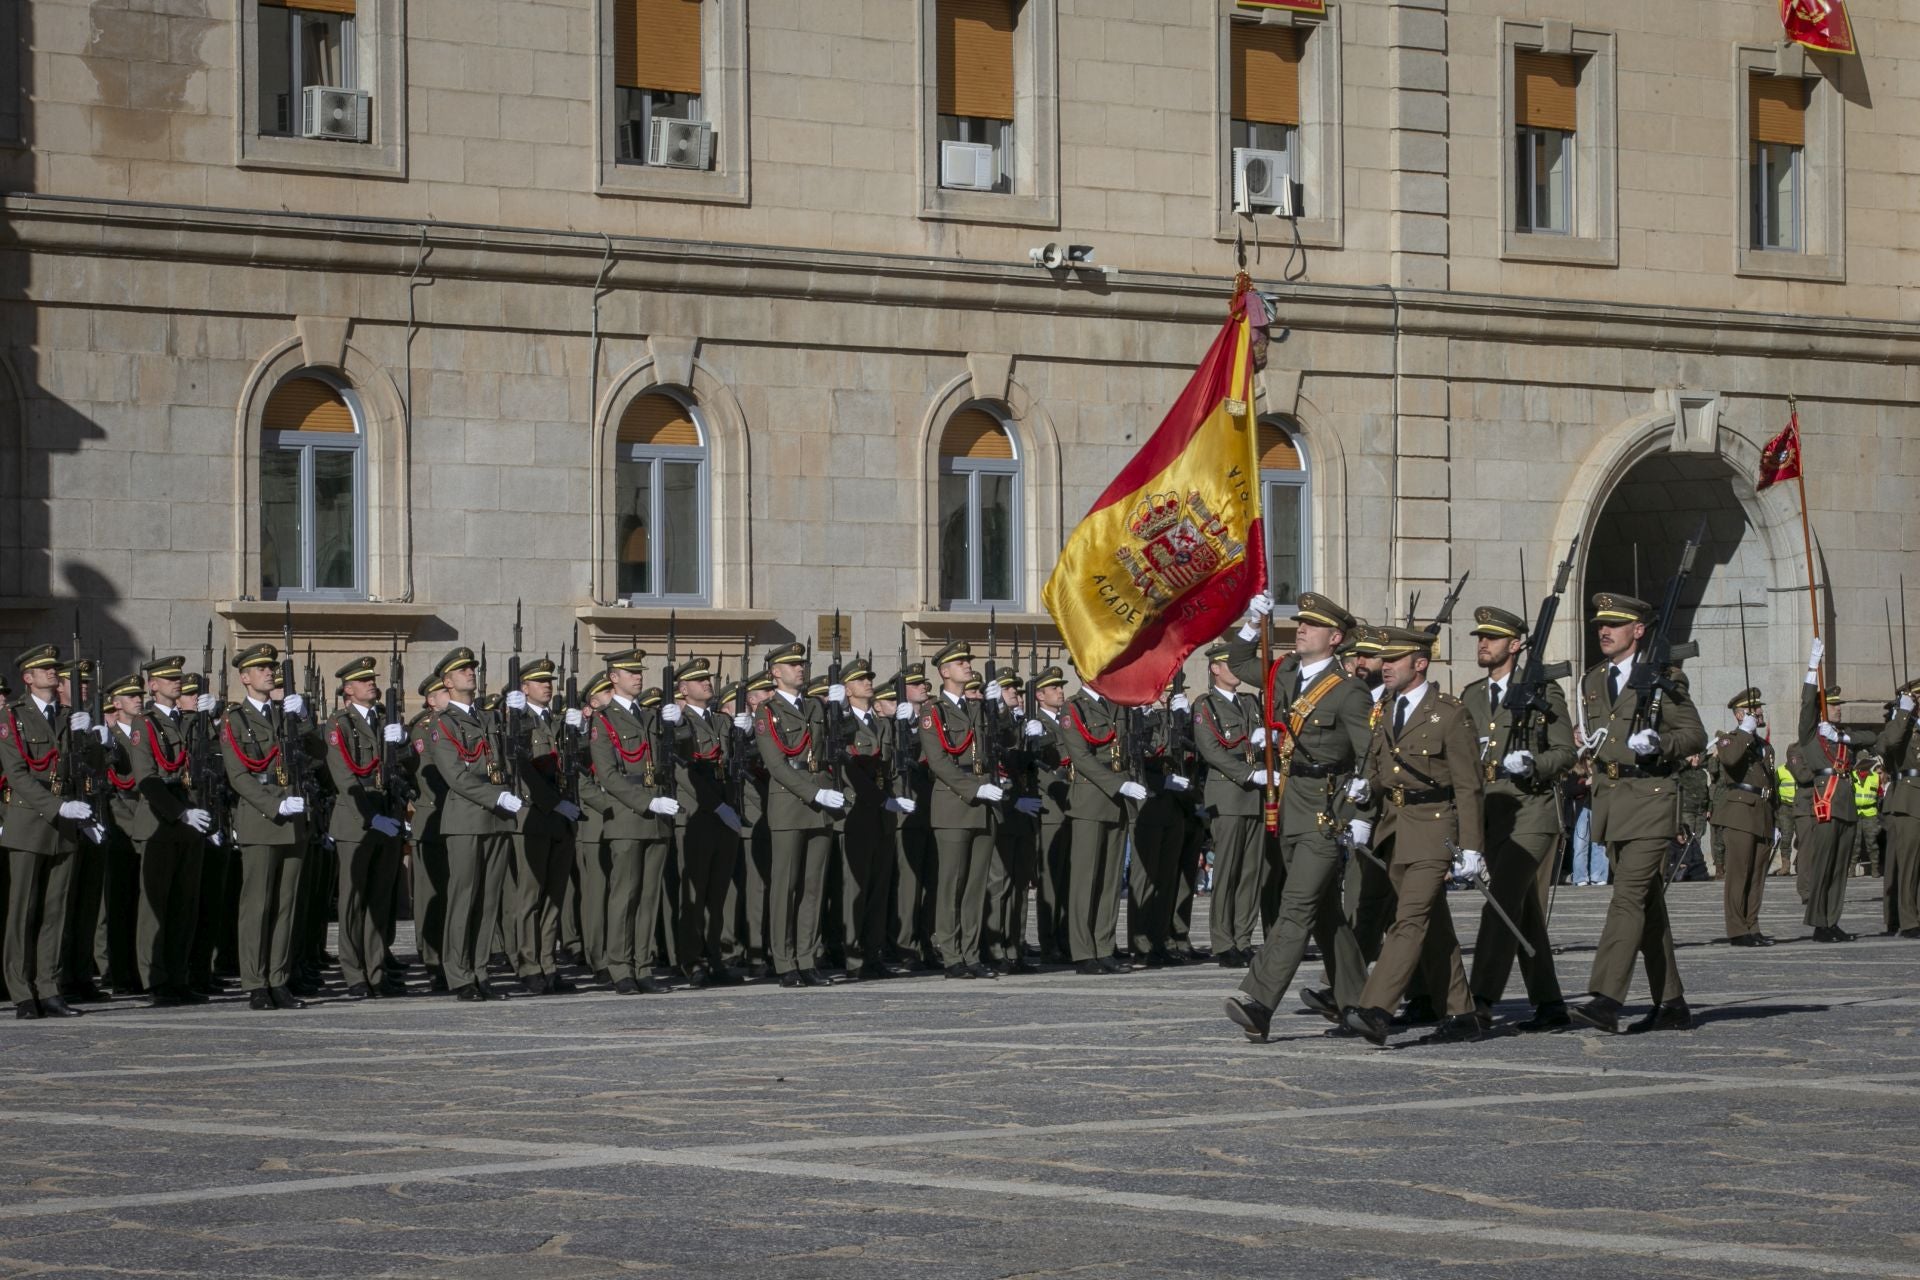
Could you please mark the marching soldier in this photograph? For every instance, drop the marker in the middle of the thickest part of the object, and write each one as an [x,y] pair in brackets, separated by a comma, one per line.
[1159,835]
[1053,774]
[1230,737]
[590,843]
[1522,817]
[638,828]
[1368,892]
[366,835]
[1743,816]
[543,845]
[867,845]
[791,733]
[429,878]
[122,961]
[709,827]
[269,826]
[1827,777]
[1101,788]
[915,869]
[1899,747]
[476,821]
[965,810]
[1422,776]
[170,832]
[1636,813]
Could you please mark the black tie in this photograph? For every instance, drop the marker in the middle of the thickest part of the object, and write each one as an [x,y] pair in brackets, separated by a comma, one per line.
[1613,685]
[1399,717]
[1299,684]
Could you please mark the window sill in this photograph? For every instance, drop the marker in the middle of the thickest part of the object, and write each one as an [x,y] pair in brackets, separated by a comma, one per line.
[314,155]
[657,182]
[933,624]
[719,629]
[1572,251]
[939,204]
[24,604]
[335,619]
[1315,233]
[1777,264]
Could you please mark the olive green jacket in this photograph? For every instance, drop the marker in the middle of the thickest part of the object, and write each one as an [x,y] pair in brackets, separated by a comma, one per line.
[257,773]
[1528,805]
[1223,728]
[459,750]
[1626,806]
[622,740]
[1741,761]
[33,823]
[950,742]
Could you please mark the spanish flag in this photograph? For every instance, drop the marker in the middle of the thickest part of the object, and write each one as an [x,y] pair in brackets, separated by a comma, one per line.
[1173,550]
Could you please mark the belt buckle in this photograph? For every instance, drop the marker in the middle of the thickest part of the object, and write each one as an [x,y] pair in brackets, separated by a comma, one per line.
[1613,770]
[1399,797]
[1493,773]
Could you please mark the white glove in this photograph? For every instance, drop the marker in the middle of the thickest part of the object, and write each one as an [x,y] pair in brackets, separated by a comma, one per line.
[1906,702]
[78,810]
[507,802]
[1258,737]
[105,735]
[895,804]
[198,819]
[670,711]
[727,815]
[1468,865]
[989,793]
[1260,606]
[836,693]
[1178,702]
[568,810]
[904,711]
[1258,778]
[79,721]
[1828,732]
[827,799]
[1643,743]
[384,825]
[213,837]
[1133,791]
[743,722]
[292,807]
[1846,737]
[1360,831]
[1248,631]
[574,719]
[1518,763]
[665,806]
[394,733]
[1176,782]
[294,705]
[1029,805]
[1749,725]
[1034,729]
[94,832]
[516,700]
[1817,652]
[1359,791]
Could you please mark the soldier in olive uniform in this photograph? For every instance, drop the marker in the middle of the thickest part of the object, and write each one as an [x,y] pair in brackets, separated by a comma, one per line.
[125,701]
[802,803]
[590,842]
[965,812]
[1159,832]
[1522,815]
[543,845]
[1422,778]
[214,938]
[709,826]
[915,868]
[1743,815]
[1636,812]
[1016,830]
[476,821]
[1368,891]
[1053,776]
[429,880]
[169,830]
[269,825]
[1899,747]
[868,843]
[84,899]
[638,829]
[1228,731]
[367,844]
[1827,777]
[1094,738]
[747,917]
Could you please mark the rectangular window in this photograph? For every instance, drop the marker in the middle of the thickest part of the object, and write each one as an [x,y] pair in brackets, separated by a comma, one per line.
[1284,519]
[1545,88]
[657,76]
[975,93]
[979,535]
[1265,68]
[1777,137]
[305,45]
[659,514]
[310,515]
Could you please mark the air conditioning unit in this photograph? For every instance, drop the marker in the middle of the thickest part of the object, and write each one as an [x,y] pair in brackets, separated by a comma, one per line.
[339,114]
[1262,182]
[680,144]
[968,166]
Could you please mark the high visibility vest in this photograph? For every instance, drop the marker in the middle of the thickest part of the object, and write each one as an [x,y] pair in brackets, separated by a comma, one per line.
[1866,796]
[1784,784]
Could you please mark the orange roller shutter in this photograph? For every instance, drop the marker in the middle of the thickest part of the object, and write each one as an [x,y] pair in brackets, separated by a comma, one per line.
[1544,87]
[656,45]
[1266,74]
[1777,110]
[658,420]
[974,433]
[974,54]
[313,6]
[1277,450]
[307,404]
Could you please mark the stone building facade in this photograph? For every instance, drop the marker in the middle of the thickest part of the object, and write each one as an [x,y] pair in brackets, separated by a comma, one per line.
[1502,333]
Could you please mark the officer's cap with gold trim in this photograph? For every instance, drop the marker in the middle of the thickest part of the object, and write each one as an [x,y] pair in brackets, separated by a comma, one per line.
[1746,700]
[817,687]
[599,684]
[1009,680]
[1369,642]
[760,682]
[1498,623]
[279,678]
[634,660]
[361,668]
[1219,651]
[1050,678]
[651,697]
[953,651]
[259,655]
[1398,642]
[1317,609]
[458,658]
[1609,606]
[171,667]
[795,652]
[1833,693]
[193,684]
[886,691]
[85,665]
[916,673]
[127,686]
[490,703]
[726,694]
[1911,687]
[694,669]
[433,683]
[856,669]
[975,685]
[41,655]
[539,670]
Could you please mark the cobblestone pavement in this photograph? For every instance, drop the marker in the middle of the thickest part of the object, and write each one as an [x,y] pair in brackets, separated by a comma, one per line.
[1039,1126]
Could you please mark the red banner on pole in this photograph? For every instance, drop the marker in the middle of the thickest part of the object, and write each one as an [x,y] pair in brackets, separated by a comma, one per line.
[1818,24]
[1780,458]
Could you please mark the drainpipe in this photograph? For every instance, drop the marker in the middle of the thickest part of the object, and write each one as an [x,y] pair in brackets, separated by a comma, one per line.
[597,505]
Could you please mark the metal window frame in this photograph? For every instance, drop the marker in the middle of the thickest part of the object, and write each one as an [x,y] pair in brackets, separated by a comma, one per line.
[1303,481]
[306,444]
[973,469]
[1757,171]
[1524,154]
[656,546]
[296,86]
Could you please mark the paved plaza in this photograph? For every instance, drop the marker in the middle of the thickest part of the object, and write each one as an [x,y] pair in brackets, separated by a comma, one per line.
[1039,1126]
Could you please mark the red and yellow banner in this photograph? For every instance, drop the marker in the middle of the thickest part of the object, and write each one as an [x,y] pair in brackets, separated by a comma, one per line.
[1818,24]
[1172,551]
[1298,6]
[1780,457]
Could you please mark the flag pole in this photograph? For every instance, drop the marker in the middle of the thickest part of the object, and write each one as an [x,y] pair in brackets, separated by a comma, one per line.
[1806,534]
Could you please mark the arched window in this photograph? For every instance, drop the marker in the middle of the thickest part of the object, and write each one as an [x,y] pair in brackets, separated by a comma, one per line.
[313,491]
[1286,511]
[979,512]
[660,501]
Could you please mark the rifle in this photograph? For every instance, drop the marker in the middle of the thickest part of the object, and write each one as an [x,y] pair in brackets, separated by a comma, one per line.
[293,744]
[739,762]
[393,779]
[1442,618]
[208,780]
[1906,654]
[1746,670]
[570,736]
[1893,666]
[1526,698]
[516,761]
[836,715]
[993,722]
[1649,675]
[903,753]
[93,766]
[665,753]
[492,726]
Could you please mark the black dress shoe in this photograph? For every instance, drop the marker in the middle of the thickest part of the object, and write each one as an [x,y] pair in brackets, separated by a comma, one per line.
[652,986]
[959,971]
[1090,969]
[437,984]
[393,984]
[1113,964]
[722,976]
[85,994]
[1253,1017]
[208,987]
[285,999]
[57,1007]
[1548,1017]
[1373,1025]
[792,978]
[27,1009]
[1837,934]
[1231,959]
[1417,1013]
[979,970]
[1911,933]
[1601,1012]
[1457,1028]
[260,1000]
[759,969]
[468,994]
[559,986]
[535,983]
[165,998]
[359,991]
[861,973]
[1742,940]
[1020,966]
[1761,939]
[1671,1016]
[1321,1001]
[626,987]
[188,995]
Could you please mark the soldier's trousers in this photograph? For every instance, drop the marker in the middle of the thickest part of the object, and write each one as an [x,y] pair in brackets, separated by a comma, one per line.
[38,888]
[591,861]
[1053,859]
[269,907]
[1513,872]
[960,891]
[1093,887]
[1193,840]
[1743,860]
[1309,908]
[1369,904]
[122,914]
[1421,938]
[86,896]
[1900,885]
[570,942]
[636,876]
[1153,876]
[211,929]
[1015,841]
[1237,865]
[476,876]
[541,863]
[367,886]
[429,889]
[1866,842]
[913,891]
[312,909]
[1803,855]
[708,851]
[1829,863]
[758,942]
[169,905]
[1637,924]
[796,884]
[867,857]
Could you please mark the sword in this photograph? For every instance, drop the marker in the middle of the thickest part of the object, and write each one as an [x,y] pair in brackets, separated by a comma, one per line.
[1480,882]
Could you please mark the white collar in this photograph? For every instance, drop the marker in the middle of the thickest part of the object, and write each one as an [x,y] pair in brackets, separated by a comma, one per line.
[1090,692]
[1051,714]
[1378,691]
[626,704]
[948,695]
[1230,696]
[1311,671]
[258,705]
[1413,698]
[45,708]
[1625,668]
[864,715]
[465,708]
[126,728]
[793,699]
[366,712]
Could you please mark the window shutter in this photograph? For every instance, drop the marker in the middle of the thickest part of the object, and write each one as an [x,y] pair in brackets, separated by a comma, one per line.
[658,420]
[1277,450]
[1777,110]
[974,56]
[313,6]
[1266,74]
[1543,90]
[975,433]
[656,45]
[307,404]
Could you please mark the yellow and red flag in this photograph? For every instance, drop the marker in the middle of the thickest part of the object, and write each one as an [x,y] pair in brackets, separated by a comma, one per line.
[1818,24]
[1780,457]
[1173,550]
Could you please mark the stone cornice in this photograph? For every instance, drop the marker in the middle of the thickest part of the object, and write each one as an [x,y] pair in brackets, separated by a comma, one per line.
[385,247]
